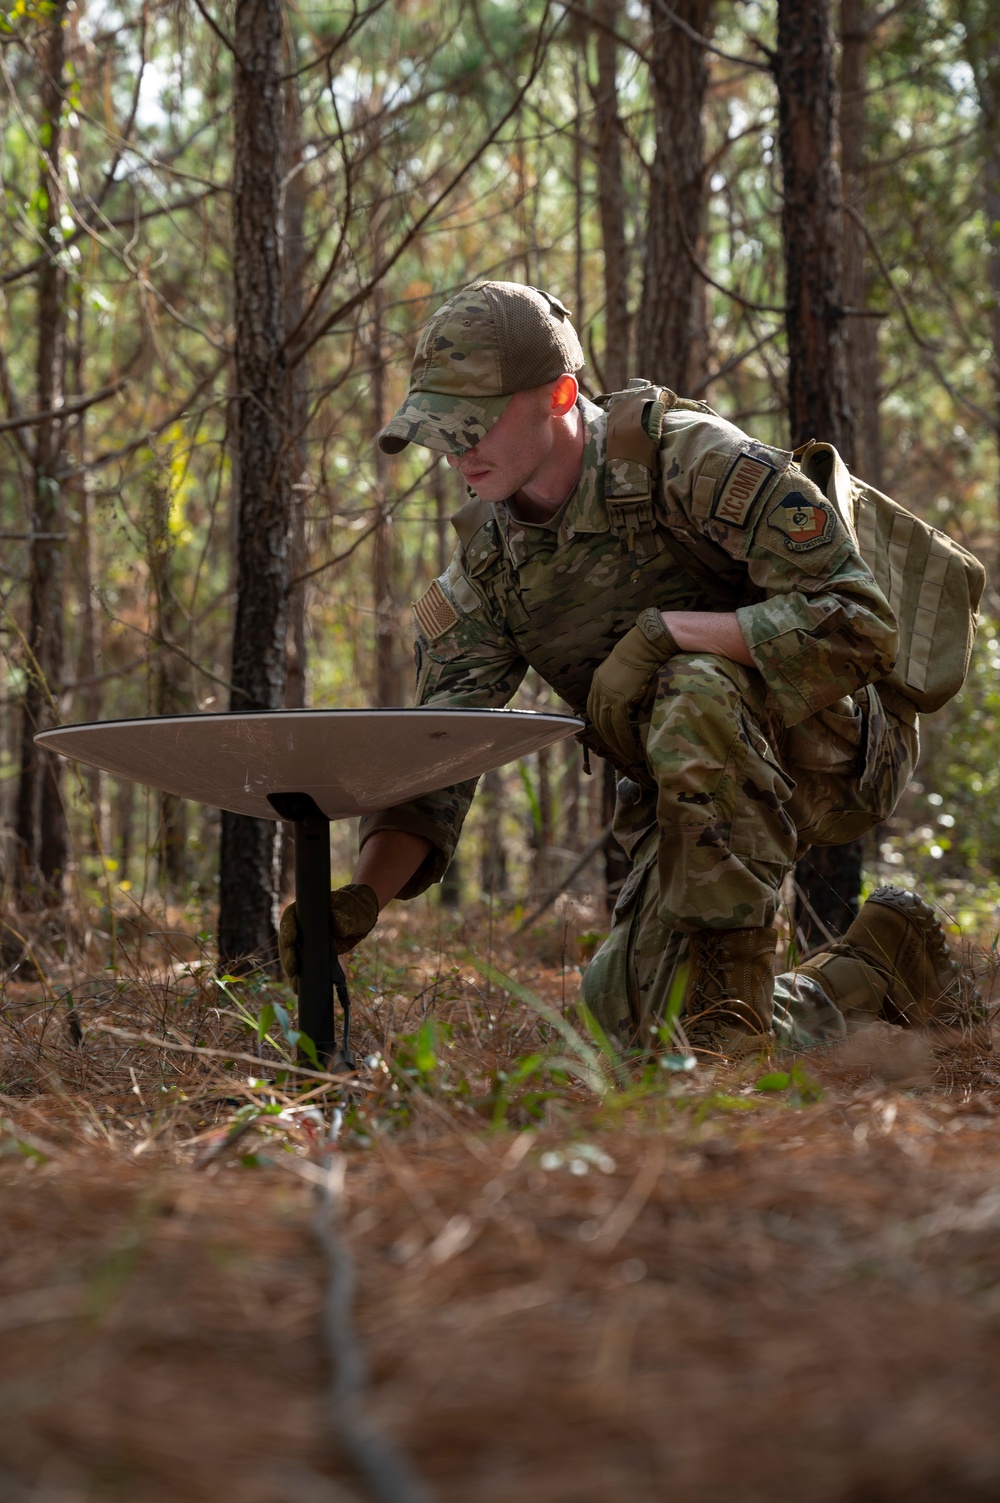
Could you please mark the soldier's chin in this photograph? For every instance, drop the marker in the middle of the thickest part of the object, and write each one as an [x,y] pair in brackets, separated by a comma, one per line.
[487,487]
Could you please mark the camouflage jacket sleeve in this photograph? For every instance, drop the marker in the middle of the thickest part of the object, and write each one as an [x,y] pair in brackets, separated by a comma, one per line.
[464,660]
[815,622]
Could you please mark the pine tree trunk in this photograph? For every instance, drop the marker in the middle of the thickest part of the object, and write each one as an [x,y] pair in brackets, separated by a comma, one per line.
[40,819]
[248,876]
[812,227]
[678,80]
[294,254]
[170,672]
[981,25]
[388,685]
[812,224]
[80,493]
[861,334]
[616,863]
[493,869]
[611,200]
[294,245]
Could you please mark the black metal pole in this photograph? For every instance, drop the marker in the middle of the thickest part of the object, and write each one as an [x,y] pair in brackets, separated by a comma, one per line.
[319,967]
[312,908]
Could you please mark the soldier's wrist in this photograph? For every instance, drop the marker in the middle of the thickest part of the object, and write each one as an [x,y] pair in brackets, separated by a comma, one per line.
[656,631]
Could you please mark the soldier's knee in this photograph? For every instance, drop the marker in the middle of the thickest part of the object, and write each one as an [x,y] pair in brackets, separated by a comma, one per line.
[706,675]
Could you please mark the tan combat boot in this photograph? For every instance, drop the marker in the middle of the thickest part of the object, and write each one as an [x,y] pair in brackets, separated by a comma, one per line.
[893,963]
[730,992]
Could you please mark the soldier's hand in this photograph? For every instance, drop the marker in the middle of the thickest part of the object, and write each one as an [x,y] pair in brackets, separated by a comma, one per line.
[620,683]
[353,914]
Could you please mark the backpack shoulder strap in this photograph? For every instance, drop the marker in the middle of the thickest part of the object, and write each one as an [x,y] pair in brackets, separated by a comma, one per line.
[635,421]
[635,425]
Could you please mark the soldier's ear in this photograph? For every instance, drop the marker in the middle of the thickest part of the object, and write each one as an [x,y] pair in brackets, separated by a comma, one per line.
[564,394]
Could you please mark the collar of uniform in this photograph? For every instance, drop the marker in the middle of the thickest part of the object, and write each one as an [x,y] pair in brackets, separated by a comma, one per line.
[584,509]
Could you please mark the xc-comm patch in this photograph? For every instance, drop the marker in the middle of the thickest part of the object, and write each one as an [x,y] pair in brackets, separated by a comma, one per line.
[434,612]
[746,479]
[806,524]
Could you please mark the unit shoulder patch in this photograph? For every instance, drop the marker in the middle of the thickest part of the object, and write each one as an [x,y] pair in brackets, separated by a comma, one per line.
[806,524]
[434,612]
[745,480]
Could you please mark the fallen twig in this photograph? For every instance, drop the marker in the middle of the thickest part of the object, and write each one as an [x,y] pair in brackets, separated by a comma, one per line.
[350,1078]
[384,1468]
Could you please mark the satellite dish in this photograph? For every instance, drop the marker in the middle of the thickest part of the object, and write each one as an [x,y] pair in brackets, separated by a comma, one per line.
[310,767]
[348,761]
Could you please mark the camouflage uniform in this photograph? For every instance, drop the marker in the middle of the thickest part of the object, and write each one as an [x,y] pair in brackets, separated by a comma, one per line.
[736,770]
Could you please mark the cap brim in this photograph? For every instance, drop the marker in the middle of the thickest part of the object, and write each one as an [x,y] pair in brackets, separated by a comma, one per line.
[451,425]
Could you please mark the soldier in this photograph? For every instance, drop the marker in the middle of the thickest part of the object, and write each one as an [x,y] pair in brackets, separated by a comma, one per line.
[703,606]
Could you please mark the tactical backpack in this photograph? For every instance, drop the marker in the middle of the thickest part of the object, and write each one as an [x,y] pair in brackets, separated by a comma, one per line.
[932,583]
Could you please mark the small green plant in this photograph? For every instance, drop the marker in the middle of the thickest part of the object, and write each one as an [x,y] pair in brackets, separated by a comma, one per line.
[802,1089]
[261,1023]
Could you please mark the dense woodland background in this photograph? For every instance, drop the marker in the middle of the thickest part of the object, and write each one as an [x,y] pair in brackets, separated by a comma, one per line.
[223,227]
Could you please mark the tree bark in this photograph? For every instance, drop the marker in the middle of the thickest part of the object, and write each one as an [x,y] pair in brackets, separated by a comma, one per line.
[812,228]
[611,200]
[170,672]
[388,680]
[248,876]
[493,867]
[293,218]
[678,80]
[616,864]
[861,334]
[42,835]
[89,659]
[981,25]
[812,225]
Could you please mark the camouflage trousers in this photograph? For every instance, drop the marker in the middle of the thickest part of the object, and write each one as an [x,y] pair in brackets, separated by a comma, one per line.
[725,800]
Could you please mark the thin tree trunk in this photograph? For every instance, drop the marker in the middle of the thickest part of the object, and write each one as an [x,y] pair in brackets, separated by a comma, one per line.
[616,864]
[170,672]
[579,51]
[294,199]
[611,204]
[861,334]
[493,870]
[571,795]
[89,657]
[812,228]
[611,200]
[42,835]
[387,676]
[248,876]
[678,79]
[812,224]
[981,25]
[542,836]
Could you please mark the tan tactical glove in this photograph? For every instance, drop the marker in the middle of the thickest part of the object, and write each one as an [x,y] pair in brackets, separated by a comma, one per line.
[353,914]
[620,683]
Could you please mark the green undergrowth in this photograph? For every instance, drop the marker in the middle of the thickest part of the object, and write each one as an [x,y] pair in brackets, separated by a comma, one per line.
[444,1039]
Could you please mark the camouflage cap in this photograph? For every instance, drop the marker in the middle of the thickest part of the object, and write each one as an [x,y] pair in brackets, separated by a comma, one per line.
[487,342]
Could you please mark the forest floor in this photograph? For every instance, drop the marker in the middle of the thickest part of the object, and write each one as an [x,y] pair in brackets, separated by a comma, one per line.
[778,1280]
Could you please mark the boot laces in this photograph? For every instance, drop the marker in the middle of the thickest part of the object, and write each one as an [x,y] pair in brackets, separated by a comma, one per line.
[715,966]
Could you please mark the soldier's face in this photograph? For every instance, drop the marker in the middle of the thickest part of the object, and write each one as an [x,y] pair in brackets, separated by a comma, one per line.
[515,449]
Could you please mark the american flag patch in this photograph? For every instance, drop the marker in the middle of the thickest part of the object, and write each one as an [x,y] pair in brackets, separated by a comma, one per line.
[434,612]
